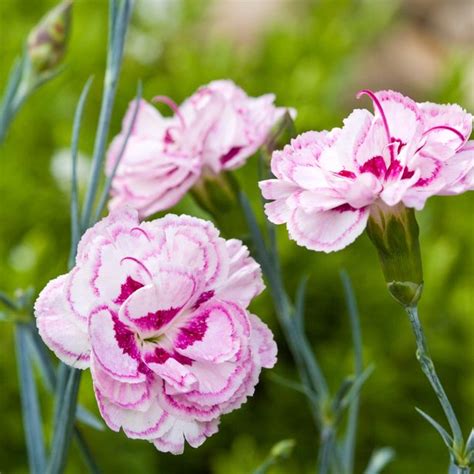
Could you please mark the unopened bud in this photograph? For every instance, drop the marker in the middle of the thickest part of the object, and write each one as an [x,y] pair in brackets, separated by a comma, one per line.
[218,195]
[280,135]
[283,448]
[394,232]
[47,41]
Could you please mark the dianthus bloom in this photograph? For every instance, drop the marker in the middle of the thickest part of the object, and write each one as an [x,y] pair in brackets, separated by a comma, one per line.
[214,130]
[328,184]
[158,312]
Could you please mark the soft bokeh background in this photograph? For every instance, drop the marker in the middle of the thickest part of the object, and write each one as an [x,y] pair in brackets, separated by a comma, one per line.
[314,55]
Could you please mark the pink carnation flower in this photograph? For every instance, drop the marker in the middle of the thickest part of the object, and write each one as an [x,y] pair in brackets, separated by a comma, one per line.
[327,183]
[216,129]
[158,312]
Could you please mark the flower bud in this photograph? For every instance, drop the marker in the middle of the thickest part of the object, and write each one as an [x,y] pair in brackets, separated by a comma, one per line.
[218,195]
[394,232]
[280,134]
[47,41]
[283,449]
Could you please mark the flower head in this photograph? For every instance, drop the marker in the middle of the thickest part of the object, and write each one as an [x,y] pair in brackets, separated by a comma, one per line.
[328,184]
[217,129]
[158,312]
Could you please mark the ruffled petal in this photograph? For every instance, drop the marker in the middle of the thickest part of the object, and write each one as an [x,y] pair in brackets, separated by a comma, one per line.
[114,346]
[62,331]
[327,231]
[264,346]
[437,119]
[194,432]
[148,424]
[405,119]
[209,334]
[245,276]
[136,396]
[191,243]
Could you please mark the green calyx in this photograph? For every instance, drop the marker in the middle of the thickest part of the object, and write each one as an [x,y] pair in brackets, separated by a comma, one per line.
[218,195]
[394,232]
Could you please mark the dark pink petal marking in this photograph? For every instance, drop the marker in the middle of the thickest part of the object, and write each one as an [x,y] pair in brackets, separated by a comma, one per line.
[160,356]
[345,208]
[206,296]
[129,287]
[158,319]
[378,106]
[172,105]
[230,154]
[347,174]
[168,138]
[193,332]
[429,179]
[394,170]
[125,338]
[400,144]
[446,127]
[407,174]
[376,166]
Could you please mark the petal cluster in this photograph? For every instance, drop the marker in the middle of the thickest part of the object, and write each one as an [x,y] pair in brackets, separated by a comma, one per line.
[158,312]
[326,183]
[215,129]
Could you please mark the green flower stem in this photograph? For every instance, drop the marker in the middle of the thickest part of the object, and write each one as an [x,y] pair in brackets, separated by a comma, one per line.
[427,366]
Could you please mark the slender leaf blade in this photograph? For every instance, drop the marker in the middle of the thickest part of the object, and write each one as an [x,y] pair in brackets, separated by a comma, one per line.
[30,404]
[379,459]
[448,440]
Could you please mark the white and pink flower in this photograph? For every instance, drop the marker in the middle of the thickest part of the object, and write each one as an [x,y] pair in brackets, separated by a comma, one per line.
[217,129]
[158,312]
[328,182]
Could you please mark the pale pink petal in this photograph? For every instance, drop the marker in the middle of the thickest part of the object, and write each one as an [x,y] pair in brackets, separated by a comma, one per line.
[405,119]
[114,346]
[342,154]
[264,345]
[136,424]
[136,396]
[278,212]
[194,432]
[327,231]
[245,277]
[193,243]
[62,331]
[439,119]
[209,334]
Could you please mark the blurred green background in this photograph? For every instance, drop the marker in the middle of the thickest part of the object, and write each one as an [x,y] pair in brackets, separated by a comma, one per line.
[315,56]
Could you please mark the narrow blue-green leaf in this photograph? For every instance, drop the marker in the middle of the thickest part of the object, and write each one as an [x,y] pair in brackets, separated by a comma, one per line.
[43,360]
[30,404]
[350,436]
[87,455]
[300,302]
[49,377]
[85,416]
[6,113]
[379,459]
[295,386]
[76,128]
[120,17]
[108,182]
[448,440]
[256,235]
[356,386]
[470,441]
[64,426]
